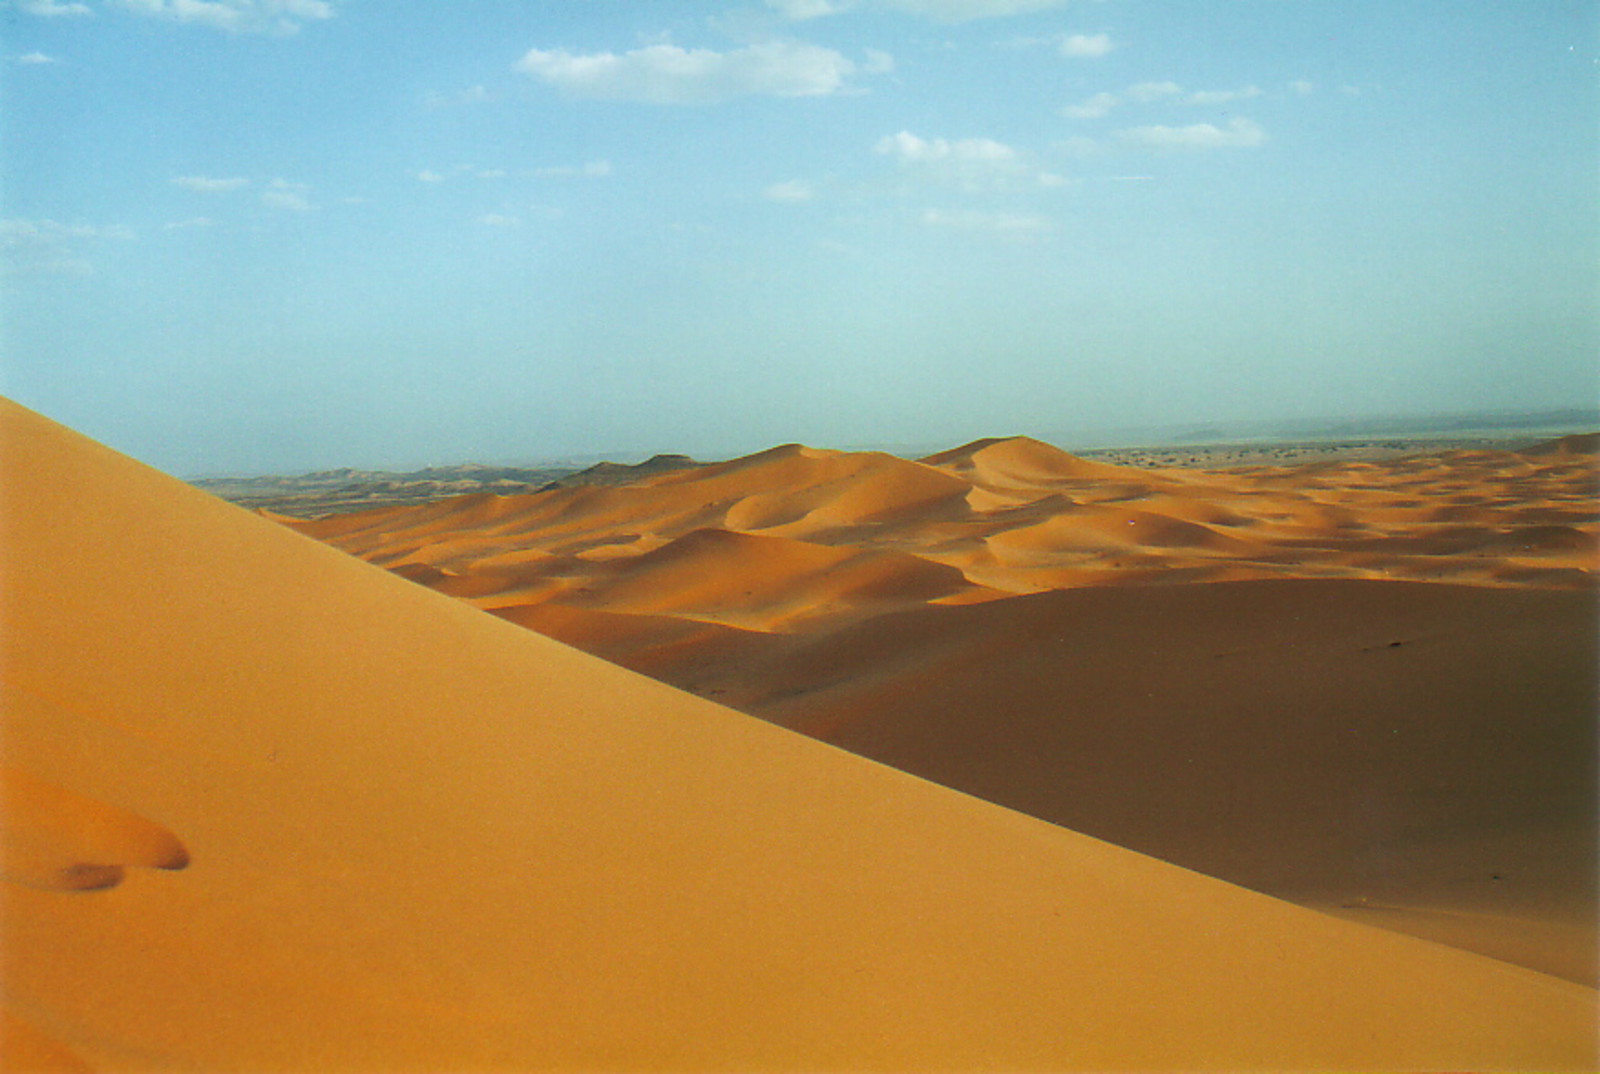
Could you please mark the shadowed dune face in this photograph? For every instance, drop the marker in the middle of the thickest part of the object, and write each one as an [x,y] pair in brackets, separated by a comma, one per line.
[1298,714]
[425,839]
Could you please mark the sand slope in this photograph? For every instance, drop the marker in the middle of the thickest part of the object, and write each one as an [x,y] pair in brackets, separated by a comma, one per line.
[1343,743]
[419,838]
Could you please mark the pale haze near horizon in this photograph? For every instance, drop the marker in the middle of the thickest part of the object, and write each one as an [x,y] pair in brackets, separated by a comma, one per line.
[277,235]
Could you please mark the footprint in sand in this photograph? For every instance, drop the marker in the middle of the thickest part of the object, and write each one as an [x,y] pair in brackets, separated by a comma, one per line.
[55,839]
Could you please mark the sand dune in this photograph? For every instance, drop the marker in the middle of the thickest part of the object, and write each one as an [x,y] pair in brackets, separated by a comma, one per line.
[421,838]
[762,582]
[1227,763]
[1020,463]
[1020,516]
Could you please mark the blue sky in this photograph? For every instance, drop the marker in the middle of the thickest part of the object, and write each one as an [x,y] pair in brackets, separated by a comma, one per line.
[269,235]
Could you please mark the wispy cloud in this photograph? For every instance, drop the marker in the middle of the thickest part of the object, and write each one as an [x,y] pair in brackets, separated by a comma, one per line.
[791,191]
[909,148]
[294,197]
[1103,103]
[52,8]
[192,222]
[499,220]
[237,16]
[1086,46]
[48,247]
[973,163]
[667,74]
[428,176]
[1238,134]
[202,184]
[36,58]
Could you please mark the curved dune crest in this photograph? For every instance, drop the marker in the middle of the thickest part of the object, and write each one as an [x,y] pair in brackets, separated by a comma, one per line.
[433,840]
[1023,462]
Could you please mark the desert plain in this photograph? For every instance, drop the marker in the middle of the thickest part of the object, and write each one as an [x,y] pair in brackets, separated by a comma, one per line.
[997,759]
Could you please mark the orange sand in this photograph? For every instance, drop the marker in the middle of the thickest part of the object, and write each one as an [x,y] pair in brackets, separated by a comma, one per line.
[422,838]
[1235,670]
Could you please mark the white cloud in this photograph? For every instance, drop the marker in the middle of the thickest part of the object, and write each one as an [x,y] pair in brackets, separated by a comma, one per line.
[911,149]
[237,16]
[1239,133]
[1086,46]
[27,229]
[491,173]
[201,184]
[52,8]
[192,222]
[794,190]
[1012,225]
[427,176]
[286,195]
[34,58]
[497,220]
[667,74]
[971,163]
[1093,108]
[1102,104]
[1301,87]
[48,247]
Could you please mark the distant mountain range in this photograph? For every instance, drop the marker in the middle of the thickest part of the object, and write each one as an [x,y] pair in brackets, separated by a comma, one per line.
[1231,443]
[343,490]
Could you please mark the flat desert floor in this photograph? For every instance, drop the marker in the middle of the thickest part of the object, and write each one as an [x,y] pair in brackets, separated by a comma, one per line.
[997,760]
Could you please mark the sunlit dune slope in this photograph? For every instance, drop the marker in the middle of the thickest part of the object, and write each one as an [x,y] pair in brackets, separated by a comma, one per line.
[421,838]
